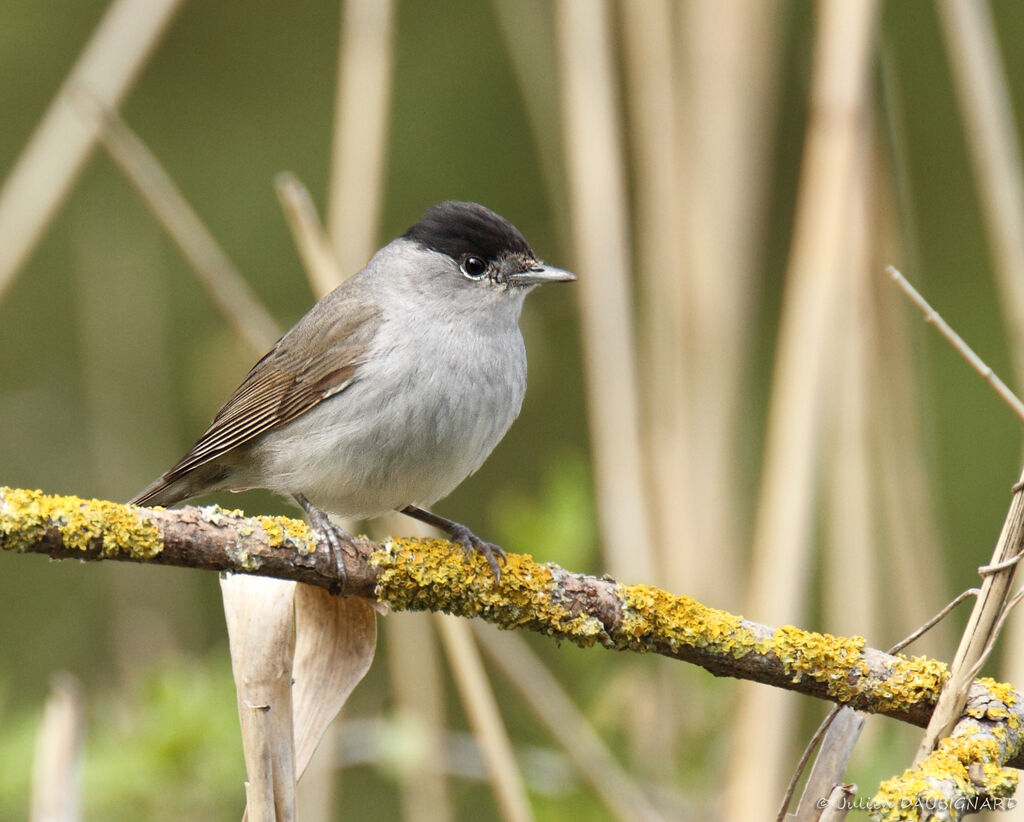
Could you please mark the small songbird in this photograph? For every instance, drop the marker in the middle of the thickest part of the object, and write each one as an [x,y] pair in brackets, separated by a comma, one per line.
[390,391]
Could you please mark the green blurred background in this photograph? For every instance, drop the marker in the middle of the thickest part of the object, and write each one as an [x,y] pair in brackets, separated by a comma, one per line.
[114,361]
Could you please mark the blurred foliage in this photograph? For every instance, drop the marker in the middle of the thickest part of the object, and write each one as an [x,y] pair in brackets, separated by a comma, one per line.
[557,521]
[166,747]
[163,747]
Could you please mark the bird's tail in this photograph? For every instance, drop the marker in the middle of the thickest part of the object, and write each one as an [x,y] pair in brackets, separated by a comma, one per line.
[161,492]
[174,487]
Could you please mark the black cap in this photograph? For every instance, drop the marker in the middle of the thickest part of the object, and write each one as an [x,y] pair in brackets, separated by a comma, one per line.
[462,229]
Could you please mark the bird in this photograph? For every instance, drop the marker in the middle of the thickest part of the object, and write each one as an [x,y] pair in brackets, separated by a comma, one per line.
[389,391]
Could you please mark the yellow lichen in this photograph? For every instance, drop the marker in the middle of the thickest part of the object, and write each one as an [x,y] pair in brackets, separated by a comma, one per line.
[653,618]
[415,574]
[273,530]
[825,658]
[1002,691]
[25,516]
[908,682]
[944,775]
[282,530]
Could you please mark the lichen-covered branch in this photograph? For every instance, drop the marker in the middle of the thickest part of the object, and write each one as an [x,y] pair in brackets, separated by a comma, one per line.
[967,772]
[433,575]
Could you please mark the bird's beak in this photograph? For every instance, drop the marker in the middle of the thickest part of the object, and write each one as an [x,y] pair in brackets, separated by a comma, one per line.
[540,274]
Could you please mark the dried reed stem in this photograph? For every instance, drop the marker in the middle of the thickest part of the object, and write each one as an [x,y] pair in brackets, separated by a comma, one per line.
[44,173]
[600,227]
[731,48]
[648,29]
[415,677]
[782,540]
[311,241]
[484,717]
[850,590]
[58,756]
[538,687]
[415,680]
[362,109]
[223,282]
[992,136]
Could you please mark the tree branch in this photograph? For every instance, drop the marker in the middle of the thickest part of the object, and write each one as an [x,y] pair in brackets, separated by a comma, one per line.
[433,575]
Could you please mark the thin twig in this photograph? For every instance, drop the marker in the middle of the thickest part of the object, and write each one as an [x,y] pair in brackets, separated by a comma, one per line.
[996,567]
[987,617]
[935,620]
[962,348]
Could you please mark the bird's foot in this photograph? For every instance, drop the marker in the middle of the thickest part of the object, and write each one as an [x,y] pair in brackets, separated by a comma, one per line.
[330,534]
[463,537]
[470,542]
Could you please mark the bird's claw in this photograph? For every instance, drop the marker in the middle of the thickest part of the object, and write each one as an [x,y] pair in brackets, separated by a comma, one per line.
[334,537]
[470,542]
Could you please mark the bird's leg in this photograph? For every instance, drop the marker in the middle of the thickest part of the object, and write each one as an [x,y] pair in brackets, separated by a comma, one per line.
[461,535]
[328,532]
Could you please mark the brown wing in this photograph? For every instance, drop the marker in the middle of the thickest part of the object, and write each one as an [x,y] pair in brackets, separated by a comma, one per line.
[316,359]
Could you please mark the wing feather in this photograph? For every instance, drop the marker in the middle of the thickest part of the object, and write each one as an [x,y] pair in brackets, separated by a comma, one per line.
[318,358]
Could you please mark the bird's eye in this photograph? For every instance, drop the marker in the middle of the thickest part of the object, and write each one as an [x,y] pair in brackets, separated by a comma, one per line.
[474,267]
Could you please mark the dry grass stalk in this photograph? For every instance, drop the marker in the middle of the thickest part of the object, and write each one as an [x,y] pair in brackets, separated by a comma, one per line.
[414,676]
[651,72]
[415,679]
[315,250]
[58,754]
[932,317]
[781,557]
[360,142]
[850,590]
[224,283]
[49,165]
[542,692]
[731,49]
[648,36]
[484,718]
[992,135]
[600,228]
